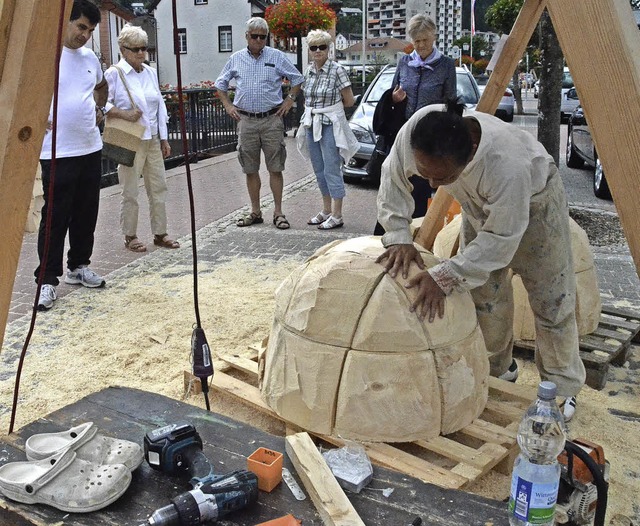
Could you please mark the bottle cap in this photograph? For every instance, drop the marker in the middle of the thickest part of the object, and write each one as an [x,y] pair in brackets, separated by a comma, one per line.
[547,390]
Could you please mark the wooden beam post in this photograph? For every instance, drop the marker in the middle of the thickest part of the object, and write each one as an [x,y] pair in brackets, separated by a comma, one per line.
[511,53]
[601,43]
[25,98]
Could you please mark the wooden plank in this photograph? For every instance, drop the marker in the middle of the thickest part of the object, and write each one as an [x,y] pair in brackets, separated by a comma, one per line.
[511,390]
[6,19]
[241,364]
[25,98]
[489,432]
[611,49]
[332,504]
[511,54]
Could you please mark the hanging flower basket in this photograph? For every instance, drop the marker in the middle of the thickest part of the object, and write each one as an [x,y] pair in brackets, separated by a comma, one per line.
[291,18]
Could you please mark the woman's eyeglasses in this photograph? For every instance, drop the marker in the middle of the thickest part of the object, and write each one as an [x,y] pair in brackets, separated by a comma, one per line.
[136,49]
[321,47]
[256,36]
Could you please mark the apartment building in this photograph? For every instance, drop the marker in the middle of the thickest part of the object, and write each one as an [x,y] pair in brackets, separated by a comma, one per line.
[389,18]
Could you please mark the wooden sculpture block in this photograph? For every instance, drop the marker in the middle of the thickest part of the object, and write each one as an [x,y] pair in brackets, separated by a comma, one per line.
[587,291]
[347,357]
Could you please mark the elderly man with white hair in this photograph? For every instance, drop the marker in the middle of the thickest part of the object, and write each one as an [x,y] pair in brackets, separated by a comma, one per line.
[258,107]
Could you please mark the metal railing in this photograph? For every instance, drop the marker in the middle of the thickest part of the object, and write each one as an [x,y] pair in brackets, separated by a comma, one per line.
[209,129]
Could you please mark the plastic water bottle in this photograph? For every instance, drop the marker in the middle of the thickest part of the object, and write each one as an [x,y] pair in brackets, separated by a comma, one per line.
[536,472]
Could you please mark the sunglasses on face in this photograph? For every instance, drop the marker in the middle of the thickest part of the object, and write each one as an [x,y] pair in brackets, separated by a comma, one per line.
[256,37]
[321,47]
[136,49]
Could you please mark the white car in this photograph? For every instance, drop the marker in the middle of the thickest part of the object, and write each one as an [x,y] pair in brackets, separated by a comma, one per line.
[568,104]
[506,107]
[361,122]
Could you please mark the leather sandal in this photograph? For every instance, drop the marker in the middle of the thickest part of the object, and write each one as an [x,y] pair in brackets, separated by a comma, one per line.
[249,219]
[134,244]
[163,240]
[281,222]
[331,223]
[319,218]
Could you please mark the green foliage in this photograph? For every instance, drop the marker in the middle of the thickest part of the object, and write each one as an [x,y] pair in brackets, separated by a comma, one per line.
[502,15]
[479,45]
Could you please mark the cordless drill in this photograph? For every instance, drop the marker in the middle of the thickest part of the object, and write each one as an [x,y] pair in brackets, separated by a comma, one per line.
[177,449]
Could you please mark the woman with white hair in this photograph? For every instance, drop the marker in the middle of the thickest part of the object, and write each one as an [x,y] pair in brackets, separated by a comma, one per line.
[132,81]
[423,77]
[324,128]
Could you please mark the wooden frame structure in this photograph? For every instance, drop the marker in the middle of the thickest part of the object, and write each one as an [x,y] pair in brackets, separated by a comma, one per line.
[595,35]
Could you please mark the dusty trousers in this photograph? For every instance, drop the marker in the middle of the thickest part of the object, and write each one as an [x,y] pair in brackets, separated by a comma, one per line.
[545,263]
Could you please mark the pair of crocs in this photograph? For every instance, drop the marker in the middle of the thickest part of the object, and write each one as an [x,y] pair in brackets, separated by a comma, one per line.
[78,470]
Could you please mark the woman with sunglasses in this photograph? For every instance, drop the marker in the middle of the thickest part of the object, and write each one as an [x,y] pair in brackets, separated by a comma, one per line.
[324,131]
[132,81]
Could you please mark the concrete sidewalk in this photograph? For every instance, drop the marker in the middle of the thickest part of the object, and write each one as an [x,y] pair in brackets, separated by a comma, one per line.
[220,195]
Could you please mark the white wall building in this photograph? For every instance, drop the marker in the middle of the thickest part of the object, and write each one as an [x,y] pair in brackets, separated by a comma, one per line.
[209,32]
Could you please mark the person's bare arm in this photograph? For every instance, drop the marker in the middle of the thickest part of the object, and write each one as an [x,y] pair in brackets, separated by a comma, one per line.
[288,101]
[348,99]
[228,105]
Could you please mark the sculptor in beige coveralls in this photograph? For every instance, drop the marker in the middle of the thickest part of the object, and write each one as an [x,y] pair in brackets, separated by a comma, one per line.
[514,215]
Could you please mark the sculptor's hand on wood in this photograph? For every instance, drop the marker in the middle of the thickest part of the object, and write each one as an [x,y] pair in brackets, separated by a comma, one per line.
[430,299]
[400,257]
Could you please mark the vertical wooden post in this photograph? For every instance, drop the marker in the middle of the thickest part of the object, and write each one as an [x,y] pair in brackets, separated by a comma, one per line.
[511,53]
[28,37]
[601,43]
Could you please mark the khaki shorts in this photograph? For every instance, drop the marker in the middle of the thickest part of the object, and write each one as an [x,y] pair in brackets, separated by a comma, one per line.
[267,135]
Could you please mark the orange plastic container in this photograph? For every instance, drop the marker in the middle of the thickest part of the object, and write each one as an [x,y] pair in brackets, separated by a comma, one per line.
[287,520]
[267,465]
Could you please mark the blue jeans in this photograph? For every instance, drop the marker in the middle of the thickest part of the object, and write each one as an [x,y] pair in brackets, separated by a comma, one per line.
[326,162]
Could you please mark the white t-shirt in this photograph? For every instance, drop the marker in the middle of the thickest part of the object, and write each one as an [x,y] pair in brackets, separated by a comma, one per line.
[77,132]
[146,93]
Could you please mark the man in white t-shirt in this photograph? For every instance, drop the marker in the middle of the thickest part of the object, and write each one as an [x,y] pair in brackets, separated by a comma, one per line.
[73,205]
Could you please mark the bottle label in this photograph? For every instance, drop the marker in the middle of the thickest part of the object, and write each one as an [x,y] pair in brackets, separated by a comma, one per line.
[533,502]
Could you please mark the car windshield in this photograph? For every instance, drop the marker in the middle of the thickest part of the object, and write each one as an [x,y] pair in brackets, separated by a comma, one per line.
[382,85]
[466,89]
[567,80]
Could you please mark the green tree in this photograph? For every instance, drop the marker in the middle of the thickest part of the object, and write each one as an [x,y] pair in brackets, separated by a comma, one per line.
[502,15]
[480,45]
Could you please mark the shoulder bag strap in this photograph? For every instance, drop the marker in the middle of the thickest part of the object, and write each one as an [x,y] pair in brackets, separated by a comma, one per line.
[135,106]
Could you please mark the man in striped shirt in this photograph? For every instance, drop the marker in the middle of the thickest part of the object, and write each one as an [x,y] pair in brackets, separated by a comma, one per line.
[259,108]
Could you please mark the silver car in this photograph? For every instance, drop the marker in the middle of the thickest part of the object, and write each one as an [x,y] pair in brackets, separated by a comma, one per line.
[361,122]
[568,104]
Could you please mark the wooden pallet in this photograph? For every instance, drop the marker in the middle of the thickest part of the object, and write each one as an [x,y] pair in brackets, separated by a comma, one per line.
[488,443]
[608,344]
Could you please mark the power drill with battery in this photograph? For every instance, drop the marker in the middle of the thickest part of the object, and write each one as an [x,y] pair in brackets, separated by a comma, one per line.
[176,450]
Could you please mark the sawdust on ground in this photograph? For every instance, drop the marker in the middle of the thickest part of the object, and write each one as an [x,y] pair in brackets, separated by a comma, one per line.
[136,333]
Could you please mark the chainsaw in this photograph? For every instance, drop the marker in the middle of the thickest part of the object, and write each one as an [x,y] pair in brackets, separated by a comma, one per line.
[584,479]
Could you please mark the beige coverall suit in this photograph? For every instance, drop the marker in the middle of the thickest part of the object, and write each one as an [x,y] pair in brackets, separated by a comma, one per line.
[514,215]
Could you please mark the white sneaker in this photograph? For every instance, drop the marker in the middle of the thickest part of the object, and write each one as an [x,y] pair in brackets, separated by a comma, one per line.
[511,375]
[569,408]
[84,276]
[47,297]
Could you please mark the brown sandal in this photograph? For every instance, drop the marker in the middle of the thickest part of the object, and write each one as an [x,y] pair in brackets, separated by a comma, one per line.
[163,240]
[134,244]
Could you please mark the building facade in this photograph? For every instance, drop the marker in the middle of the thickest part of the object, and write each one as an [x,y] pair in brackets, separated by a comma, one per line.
[389,18]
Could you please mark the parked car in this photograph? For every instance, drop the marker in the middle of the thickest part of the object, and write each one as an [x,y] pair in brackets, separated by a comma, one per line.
[506,107]
[361,122]
[568,104]
[581,151]
[536,89]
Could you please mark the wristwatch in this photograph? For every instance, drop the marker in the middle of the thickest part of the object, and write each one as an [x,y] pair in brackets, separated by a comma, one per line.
[291,96]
